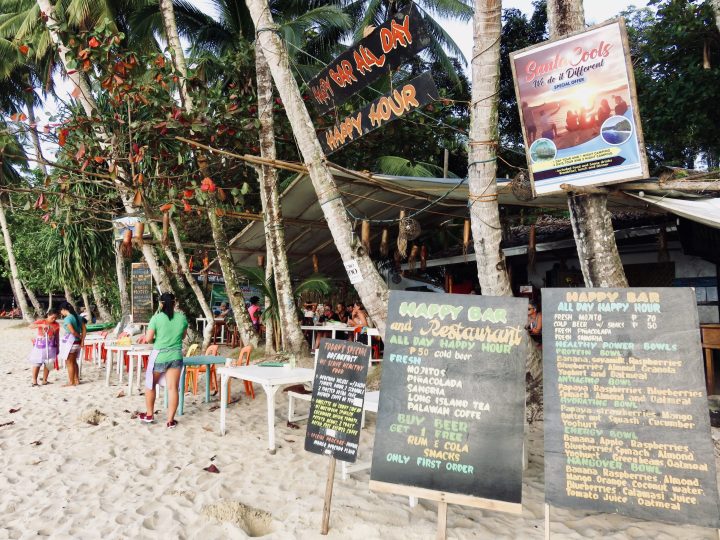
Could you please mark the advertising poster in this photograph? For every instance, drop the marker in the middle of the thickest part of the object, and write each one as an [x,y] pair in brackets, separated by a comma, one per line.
[578,110]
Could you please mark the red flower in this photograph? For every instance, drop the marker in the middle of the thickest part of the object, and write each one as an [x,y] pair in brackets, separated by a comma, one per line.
[208,185]
[94,43]
[188,193]
[187,207]
[23,49]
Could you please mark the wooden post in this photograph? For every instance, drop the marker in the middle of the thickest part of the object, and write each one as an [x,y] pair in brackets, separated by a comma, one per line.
[446,163]
[442,521]
[328,496]
[547,521]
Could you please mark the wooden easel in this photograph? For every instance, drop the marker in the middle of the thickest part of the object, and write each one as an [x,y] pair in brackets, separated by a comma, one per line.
[443,498]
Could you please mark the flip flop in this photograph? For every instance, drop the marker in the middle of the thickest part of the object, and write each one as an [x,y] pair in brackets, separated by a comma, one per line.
[34,384]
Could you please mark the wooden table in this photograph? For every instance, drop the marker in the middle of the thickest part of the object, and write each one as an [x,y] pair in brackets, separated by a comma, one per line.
[118,350]
[710,334]
[201,360]
[271,379]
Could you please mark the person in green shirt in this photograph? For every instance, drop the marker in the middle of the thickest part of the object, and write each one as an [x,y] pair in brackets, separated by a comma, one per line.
[166,330]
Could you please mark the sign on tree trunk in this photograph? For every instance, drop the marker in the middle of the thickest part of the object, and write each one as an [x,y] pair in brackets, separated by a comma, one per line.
[626,417]
[578,110]
[385,48]
[142,301]
[452,399]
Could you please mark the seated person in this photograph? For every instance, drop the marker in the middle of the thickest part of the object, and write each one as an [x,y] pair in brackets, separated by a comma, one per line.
[571,121]
[603,112]
[621,105]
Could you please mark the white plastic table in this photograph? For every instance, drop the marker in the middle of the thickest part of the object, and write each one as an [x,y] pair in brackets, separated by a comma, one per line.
[204,321]
[271,379]
[114,351]
[96,343]
[136,355]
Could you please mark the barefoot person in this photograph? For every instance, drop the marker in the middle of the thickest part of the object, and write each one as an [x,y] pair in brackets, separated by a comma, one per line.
[166,330]
[45,346]
[71,342]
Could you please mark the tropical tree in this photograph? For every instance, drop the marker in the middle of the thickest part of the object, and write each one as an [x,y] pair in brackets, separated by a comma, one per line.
[372,289]
[265,284]
[9,175]
[592,227]
[484,210]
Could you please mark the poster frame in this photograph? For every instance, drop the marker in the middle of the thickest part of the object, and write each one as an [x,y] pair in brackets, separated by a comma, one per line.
[642,153]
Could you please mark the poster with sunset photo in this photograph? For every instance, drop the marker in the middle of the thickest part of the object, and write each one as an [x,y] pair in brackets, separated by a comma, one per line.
[578,110]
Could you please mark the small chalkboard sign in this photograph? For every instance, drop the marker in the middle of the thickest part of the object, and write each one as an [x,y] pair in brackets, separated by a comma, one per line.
[337,399]
[141,292]
[452,400]
[626,416]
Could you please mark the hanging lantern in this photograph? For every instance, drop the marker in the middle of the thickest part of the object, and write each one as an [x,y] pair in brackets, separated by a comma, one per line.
[191,263]
[166,228]
[365,235]
[402,237]
[126,246]
[261,261]
[532,245]
[316,264]
[414,252]
[139,231]
[137,199]
[384,246]
[423,257]
[466,238]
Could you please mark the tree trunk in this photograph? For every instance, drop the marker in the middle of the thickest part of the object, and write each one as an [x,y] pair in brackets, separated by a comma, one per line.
[270,332]
[87,102]
[123,290]
[237,302]
[87,305]
[565,17]
[716,8]
[293,340]
[34,136]
[204,304]
[103,309]
[232,283]
[70,299]
[599,258]
[14,273]
[372,289]
[484,210]
[39,311]
[592,227]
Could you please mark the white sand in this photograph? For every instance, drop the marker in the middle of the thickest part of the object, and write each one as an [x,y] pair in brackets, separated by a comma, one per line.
[121,479]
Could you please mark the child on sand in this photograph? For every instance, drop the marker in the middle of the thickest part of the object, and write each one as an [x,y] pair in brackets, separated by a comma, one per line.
[45,346]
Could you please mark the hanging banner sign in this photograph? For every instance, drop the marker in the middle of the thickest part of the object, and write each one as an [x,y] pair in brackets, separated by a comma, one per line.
[407,98]
[578,110]
[388,46]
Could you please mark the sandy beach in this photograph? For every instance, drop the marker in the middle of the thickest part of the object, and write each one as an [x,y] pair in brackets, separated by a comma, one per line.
[63,477]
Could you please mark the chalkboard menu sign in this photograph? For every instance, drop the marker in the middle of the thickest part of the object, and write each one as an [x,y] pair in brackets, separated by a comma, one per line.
[142,301]
[452,399]
[626,416]
[337,399]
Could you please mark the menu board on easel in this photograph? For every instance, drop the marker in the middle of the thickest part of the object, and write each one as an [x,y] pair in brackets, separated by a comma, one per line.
[141,293]
[337,400]
[452,400]
[626,415]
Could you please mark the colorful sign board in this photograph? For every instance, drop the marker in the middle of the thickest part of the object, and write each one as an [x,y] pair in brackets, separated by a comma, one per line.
[337,400]
[578,110]
[400,102]
[451,414]
[386,47]
[626,417]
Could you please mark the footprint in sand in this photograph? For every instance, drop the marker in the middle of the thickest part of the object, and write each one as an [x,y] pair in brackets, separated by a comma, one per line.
[253,521]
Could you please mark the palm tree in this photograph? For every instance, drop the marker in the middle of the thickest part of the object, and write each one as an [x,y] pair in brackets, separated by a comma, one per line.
[9,175]
[229,33]
[484,210]
[256,278]
[592,227]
